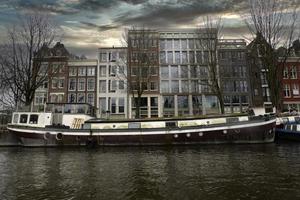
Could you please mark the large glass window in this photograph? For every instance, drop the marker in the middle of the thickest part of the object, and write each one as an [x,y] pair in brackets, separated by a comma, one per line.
[194,86]
[176,44]
[103,57]
[164,72]
[184,71]
[162,57]
[71,98]
[184,59]
[197,105]
[183,105]
[113,107]
[183,44]
[174,71]
[175,86]
[192,57]
[191,44]
[162,44]
[177,57]
[211,105]
[169,44]
[185,86]
[194,71]
[199,56]
[165,86]
[168,107]
[170,57]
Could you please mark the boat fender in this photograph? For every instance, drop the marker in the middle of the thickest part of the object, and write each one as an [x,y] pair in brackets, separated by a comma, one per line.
[59,136]
[175,136]
[188,135]
[46,136]
[224,132]
[201,134]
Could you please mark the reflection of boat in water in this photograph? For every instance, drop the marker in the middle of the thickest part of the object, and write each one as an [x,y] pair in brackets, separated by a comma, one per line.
[288,128]
[78,127]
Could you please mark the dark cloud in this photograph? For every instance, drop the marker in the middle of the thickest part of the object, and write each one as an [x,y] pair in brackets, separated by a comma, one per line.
[99,27]
[181,12]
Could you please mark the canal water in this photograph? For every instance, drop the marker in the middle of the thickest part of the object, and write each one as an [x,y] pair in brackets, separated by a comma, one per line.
[264,171]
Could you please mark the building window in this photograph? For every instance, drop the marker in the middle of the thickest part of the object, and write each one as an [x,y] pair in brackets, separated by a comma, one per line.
[113,107]
[61,83]
[194,71]
[90,98]
[91,71]
[81,71]
[295,89]
[170,57]
[165,86]
[112,84]
[102,70]
[197,105]
[192,57]
[184,59]
[183,44]
[102,105]
[162,45]
[71,98]
[121,85]
[81,98]
[184,71]
[176,44]
[174,71]
[102,86]
[177,57]
[293,72]
[162,57]
[164,72]
[121,105]
[72,84]
[174,86]
[112,70]
[286,73]
[153,86]
[199,57]
[194,86]
[103,57]
[60,98]
[91,84]
[184,86]
[81,84]
[169,44]
[286,90]
[54,83]
[40,98]
[191,44]
[73,71]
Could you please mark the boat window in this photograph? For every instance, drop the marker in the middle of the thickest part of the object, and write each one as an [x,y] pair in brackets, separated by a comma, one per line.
[297,119]
[232,120]
[285,120]
[134,125]
[33,119]
[171,124]
[16,118]
[23,119]
[294,127]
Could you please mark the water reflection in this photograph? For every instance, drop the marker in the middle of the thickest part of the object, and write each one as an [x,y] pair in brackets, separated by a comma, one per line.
[195,172]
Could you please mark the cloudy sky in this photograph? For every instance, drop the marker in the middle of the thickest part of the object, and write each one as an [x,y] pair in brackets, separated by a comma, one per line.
[90,24]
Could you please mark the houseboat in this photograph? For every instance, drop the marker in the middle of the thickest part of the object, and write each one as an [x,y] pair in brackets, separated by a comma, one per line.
[288,128]
[74,125]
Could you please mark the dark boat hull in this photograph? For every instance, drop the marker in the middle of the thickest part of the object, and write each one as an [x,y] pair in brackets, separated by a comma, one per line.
[282,134]
[256,132]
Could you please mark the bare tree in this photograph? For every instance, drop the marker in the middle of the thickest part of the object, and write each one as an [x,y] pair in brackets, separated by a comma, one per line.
[21,56]
[142,63]
[208,36]
[273,23]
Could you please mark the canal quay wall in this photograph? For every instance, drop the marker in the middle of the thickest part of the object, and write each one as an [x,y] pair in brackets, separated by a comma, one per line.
[6,138]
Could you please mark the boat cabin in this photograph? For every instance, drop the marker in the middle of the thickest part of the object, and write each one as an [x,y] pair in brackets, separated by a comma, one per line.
[33,119]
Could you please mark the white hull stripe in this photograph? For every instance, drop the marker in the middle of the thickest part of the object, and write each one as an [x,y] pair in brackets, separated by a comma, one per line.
[152,132]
